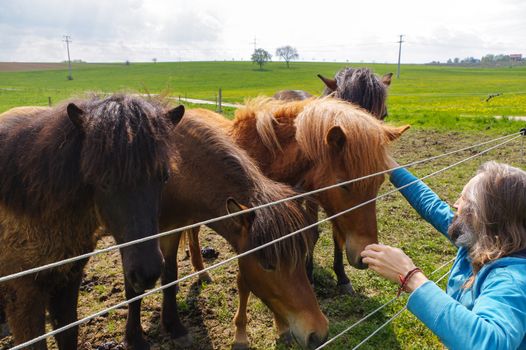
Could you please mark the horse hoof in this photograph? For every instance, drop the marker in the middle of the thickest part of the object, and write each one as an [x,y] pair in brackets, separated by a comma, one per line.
[286,339]
[184,341]
[346,289]
[205,278]
[240,346]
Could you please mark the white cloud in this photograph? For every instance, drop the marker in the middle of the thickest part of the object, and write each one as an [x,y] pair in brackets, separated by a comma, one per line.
[207,29]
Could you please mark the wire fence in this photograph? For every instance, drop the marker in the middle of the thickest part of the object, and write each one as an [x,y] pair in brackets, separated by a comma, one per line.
[206,222]
[509,138]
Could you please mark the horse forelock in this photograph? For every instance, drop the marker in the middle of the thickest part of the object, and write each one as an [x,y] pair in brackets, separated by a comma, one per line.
[365,148]
[364,88]
[125,140]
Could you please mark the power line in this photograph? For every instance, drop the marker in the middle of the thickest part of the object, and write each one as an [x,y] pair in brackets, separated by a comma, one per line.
[399,55]
[67,40]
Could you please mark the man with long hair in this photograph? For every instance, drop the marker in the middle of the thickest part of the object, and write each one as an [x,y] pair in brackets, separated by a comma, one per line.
[484,306]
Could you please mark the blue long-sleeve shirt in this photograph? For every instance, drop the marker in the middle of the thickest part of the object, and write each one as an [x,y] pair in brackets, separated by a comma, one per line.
[489,315]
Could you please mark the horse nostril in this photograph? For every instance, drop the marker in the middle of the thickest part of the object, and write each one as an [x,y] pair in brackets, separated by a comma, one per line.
[314,340]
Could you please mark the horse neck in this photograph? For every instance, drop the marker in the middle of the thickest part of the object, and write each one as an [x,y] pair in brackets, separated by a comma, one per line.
[203,177]
[288,165]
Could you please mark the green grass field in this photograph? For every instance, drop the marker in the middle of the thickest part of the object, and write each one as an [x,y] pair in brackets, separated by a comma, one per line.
[427,96]
[446,107]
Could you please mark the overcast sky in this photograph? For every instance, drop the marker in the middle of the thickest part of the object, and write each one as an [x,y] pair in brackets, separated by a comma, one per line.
[342,30]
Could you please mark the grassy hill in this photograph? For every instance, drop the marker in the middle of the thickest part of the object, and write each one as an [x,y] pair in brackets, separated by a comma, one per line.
[435,96]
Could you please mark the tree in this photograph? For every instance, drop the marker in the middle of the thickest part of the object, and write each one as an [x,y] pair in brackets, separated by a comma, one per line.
[154,60]
[261,57]
[288,53]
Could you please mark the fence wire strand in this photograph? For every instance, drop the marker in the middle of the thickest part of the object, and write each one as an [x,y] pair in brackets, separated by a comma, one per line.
[398,313]
[298,196]
[168,285]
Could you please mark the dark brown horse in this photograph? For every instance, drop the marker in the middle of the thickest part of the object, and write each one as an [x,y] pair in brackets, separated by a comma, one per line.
[65,172]
[361,87]
[317,143]
[356,85]
[211,176]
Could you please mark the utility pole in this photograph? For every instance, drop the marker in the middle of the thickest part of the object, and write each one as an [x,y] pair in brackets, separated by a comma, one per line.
[255,44]
[67,40]
[399,55]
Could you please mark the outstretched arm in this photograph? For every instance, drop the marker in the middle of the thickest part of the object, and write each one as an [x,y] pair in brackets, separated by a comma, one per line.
[426,202]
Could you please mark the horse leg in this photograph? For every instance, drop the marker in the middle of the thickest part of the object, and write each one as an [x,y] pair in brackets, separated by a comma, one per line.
[240,320]
[195,255]
[311,209]
[4,329]
[169,315]
[26,313]
[134,334]
[343,282]
[63,309]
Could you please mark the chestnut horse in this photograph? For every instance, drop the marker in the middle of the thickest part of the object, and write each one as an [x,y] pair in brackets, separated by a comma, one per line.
[208,171]
[65,172]
[317,143]
[361,87]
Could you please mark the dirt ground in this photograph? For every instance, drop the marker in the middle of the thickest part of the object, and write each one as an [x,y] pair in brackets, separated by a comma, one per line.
[29,66]
[208,310]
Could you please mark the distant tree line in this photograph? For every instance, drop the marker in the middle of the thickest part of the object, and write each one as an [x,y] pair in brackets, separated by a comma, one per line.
[489,60]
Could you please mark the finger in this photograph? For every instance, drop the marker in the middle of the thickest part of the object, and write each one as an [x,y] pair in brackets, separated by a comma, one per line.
[369,253]
[375,246]
[369,261]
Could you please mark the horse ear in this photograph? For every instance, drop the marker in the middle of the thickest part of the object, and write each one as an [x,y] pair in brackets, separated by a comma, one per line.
[176,114]
[242,220]
[336,138]
[76,115]
[330,83]
[393,132]
[386,79]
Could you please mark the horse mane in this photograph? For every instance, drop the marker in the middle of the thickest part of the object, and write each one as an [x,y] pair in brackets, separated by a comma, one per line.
[365,149]
[360,86]
[50,164]
[267,113]
[269,223]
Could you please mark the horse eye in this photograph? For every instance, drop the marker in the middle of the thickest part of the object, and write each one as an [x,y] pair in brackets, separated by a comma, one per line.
[268,267]
[346,188]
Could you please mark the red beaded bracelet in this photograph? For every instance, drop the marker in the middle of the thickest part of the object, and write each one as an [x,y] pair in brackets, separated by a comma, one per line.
[404,280]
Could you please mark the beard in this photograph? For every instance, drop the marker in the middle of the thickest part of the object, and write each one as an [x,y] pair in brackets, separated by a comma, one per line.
[461,232]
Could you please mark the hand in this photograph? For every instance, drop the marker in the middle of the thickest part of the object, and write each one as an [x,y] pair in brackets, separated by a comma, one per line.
[391,263]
